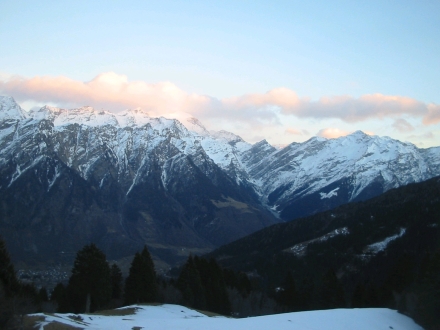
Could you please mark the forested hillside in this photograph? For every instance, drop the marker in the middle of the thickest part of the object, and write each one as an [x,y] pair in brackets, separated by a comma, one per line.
[382,252]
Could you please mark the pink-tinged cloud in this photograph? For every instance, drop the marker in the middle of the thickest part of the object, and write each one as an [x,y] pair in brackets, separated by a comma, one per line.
[108,90]
[115,92]
[332,133]
[403,126]
[353,110]
[282,97]
[433,116]
[294,131]
[344,107]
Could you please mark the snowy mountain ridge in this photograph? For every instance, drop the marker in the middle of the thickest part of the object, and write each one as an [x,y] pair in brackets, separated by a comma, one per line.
[339,170]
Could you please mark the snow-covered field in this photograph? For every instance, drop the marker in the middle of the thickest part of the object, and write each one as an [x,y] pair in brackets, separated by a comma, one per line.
[174,317]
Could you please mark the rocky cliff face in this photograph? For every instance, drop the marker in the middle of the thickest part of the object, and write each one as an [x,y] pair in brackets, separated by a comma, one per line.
[122,180]
[69,177]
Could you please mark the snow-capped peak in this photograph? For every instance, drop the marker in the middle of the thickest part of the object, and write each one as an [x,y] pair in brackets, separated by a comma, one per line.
[9,109]
[133,117]
[316,167]
[228,136]
[194,125]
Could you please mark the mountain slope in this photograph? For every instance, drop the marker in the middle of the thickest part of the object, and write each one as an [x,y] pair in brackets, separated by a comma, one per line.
[363,242]
[319,174]
[175,185]
[142,181]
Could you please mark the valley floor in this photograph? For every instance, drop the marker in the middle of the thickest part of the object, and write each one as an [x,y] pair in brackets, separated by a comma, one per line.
[178,318]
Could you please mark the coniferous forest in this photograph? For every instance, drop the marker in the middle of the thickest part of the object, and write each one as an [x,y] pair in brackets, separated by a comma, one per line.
[202,284]
[260,274]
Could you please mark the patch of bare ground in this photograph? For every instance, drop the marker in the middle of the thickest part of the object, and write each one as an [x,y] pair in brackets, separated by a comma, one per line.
[55,325]
[117,312]
[30,322]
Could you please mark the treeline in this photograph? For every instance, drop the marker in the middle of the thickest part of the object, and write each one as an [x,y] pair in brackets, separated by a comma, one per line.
[411,285]
[16,298]
[94,285]
[403,274]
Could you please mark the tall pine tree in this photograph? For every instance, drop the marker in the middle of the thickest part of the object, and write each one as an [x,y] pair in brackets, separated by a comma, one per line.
[116,278]
[288,296]
[141,283]
[8,277]
[9,285]
[214,286]
[202,285]
[331,293]
[190,284]
[90,285]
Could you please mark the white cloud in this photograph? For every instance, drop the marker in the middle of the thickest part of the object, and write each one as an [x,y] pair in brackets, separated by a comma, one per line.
[295,131]
[332,133]
[115,92]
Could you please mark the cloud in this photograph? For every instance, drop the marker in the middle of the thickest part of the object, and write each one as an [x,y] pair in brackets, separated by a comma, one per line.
[403,126]
[108,90]
[332,133]
[115,92]
[344,107]
[424,136]
[433,116]
[294,131]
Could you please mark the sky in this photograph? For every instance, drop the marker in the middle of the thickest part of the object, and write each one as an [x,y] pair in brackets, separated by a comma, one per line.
[283,71]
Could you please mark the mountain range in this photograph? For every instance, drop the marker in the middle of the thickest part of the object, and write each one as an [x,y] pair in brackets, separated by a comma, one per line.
[122,180]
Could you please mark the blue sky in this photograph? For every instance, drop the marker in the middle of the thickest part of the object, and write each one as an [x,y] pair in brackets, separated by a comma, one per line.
[280,70]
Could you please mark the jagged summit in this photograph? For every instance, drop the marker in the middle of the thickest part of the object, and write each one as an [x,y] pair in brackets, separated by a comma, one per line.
[359,133]
[278,176]
[9,109]
[193,124]
[228,136]
[130,177]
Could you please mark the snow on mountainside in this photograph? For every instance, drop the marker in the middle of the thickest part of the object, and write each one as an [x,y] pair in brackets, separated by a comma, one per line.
[346,167]
[9,109]
[121,180]
[128,179]
[130,135]
[287,181]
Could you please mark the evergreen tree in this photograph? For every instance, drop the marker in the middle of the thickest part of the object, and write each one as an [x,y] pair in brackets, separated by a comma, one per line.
[401,274]
[90,285]
[373,297]
[244,285]
[359,296]
[331,293]
[42,295]
[427,291]
[59,296]
[9,286]
[203,286]
[307,295]
[116,278]
[15,298]
[289,295]
[190,284]
[214,286]
[8,278]
[141,283]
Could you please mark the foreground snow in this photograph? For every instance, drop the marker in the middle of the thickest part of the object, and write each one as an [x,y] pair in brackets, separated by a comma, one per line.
[177,317]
